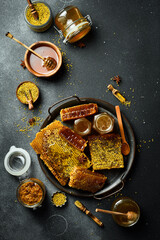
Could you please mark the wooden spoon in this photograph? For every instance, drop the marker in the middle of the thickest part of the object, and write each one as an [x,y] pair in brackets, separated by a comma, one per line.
[33,11]
[130,215]
[27,93]
[29,100]
[49,62]
[125,146]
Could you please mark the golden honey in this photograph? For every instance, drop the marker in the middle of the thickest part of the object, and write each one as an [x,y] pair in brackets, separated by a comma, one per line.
[103,123]
[124,205]
[72,25]
[82,126]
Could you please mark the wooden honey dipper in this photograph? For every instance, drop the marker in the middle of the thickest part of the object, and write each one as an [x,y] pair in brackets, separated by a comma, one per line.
[49,62]
[33,11]
[130,215]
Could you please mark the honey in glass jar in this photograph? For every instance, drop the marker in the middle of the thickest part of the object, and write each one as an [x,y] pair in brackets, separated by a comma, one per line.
[103,123]
[72,25]
[82,126]
[124,205]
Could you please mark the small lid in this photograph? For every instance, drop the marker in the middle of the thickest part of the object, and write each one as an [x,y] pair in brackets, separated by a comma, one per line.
[17,161]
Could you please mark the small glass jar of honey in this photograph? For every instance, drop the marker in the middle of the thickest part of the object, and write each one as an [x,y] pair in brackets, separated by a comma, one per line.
[82,126]
[72,25]
[103,123]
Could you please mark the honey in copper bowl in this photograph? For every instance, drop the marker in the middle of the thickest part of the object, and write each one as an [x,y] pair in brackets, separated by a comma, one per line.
[46,50]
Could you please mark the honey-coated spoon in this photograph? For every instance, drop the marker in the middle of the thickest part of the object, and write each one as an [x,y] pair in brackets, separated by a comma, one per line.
[49,62]
[130,214]
[125,149]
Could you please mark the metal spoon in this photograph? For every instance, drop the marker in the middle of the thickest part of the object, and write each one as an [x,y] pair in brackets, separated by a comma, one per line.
[125,146]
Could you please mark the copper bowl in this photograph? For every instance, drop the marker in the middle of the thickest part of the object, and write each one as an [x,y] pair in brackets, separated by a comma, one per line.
[34,46]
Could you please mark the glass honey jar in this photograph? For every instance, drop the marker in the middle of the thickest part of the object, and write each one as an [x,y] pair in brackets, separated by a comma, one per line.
[124,205]
[82,126]
[72,25]
[103,123]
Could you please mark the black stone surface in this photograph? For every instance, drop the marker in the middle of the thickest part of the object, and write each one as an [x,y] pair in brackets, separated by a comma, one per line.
[124,41]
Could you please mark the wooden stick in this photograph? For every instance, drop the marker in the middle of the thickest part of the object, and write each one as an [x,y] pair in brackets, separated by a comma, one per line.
[8,34]
[29,100]
[87,212]
[125,146]
[129,215]
[111,212]
[117,108]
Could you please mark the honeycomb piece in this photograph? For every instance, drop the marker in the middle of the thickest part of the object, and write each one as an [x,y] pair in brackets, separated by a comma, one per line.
[105,151]
[73,138]
[57,154]
[86,180]
[78,111]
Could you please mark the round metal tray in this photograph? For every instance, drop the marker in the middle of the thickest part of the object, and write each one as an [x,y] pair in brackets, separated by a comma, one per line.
[115,177]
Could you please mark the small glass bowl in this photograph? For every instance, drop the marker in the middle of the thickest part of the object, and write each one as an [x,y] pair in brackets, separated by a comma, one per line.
[124,205]
[43,27]
[24,186]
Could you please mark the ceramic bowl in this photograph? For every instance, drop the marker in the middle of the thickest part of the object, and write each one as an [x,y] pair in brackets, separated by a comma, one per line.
[36,45]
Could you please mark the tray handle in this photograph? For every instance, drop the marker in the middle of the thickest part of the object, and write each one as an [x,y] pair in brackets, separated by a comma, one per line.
[120,187]
[64,99]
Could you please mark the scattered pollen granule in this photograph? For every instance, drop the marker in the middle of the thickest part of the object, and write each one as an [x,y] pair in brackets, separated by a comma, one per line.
[28,122]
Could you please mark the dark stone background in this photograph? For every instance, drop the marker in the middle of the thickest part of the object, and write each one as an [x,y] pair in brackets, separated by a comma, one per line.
[124,41]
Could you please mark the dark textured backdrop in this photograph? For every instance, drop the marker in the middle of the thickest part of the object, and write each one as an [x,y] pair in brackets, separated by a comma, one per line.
[124,41]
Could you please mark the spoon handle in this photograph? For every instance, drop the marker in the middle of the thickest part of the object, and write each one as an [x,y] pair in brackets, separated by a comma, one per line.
[33,11]
[117,108]
[30,101]
[11,36]
[110,212]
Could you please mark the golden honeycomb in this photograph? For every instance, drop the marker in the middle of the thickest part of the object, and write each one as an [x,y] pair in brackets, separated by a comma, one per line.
[105,151]
[58,155]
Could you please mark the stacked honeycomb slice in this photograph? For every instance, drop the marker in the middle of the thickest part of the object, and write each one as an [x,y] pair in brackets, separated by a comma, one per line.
[58,155]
